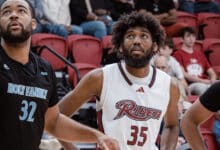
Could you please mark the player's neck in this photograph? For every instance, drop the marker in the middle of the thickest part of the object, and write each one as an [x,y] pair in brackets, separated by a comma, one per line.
[138,72]
[17,51]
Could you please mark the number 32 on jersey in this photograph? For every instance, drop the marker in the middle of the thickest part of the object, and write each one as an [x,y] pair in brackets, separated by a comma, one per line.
[27,111]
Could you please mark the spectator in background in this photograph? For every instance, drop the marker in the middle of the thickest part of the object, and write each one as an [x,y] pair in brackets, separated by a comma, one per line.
[187,5]
[197,6]
[162,62]
[57,11]
[120,7]
[46,25]
[197,69]
[92,16]
[165,12]
[175,70]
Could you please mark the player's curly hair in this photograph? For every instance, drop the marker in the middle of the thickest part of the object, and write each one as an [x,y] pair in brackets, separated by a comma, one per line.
[135,19]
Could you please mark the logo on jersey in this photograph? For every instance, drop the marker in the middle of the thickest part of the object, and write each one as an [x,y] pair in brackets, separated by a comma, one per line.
[133,111]
[6,66]
[44,73]
[140,90]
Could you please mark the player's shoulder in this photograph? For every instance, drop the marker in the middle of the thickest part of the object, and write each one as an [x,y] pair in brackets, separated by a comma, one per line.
[112,66]
[95,74]
[42,63]
[160,73]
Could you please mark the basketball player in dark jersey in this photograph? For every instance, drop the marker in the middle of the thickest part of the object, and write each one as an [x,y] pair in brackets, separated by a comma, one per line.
[202,109]
[28,96]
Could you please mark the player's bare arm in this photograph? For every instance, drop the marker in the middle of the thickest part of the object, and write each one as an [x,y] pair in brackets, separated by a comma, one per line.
[196,114]
[170,132]
[90,85]
[68,130]
[57,125]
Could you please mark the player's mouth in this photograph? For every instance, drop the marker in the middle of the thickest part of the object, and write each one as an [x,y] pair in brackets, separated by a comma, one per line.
[137,50]
[14,25]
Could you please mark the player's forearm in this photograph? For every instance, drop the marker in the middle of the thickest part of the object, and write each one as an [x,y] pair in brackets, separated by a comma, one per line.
[169,138]
[67,129]
[192,135]
[67,105]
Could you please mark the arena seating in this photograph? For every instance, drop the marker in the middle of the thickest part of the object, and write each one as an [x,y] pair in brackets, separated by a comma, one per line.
[85,49]
[55,42]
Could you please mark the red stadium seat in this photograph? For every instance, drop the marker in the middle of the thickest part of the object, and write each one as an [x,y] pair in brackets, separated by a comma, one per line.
[208,124]
[211,23]
[108,55]
[212,50]
[206,129]
[210,140]
[55,42]
[85,49]
[187,18]
[106,42]
[83,68]
[177,41]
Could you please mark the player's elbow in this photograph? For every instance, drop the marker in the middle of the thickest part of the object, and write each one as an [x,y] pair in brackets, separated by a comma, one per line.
[51,125]
[174,128]
[187,123]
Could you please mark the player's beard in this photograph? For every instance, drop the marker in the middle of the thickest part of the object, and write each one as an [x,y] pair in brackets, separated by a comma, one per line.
[137,62]
[9,37]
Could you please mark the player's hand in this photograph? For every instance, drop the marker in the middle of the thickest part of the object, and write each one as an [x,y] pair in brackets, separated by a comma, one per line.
[68,145]
[107,143]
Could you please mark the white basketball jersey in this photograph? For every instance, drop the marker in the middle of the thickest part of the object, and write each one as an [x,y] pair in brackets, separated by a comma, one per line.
[132,111]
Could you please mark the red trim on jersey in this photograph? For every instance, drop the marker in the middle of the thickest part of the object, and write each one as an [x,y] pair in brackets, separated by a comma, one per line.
[153,78]
[99,119]
[123,74]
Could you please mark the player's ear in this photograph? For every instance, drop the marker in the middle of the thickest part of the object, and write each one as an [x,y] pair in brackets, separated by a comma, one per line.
[120,50]
[34,24]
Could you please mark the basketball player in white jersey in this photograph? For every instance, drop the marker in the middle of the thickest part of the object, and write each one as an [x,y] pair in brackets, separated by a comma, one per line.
[133,96]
